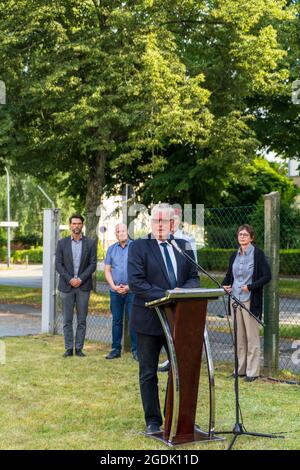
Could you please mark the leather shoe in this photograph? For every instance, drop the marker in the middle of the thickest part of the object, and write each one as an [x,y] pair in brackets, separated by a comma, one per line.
[114,354]
[68,353]
[164,367]
[250,379]
[79,353]
[152,428]
[135,356]
[240,375]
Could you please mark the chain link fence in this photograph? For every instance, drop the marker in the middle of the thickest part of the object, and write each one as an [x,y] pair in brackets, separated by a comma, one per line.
[220,241]
[99,320]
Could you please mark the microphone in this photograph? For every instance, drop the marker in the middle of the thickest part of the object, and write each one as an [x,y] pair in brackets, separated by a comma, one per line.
[175,245]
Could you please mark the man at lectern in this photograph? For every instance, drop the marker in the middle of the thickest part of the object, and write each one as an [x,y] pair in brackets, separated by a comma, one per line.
[154,266]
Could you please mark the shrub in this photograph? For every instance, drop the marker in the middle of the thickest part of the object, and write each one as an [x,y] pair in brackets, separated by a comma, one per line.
[217,259]
[28,241]
[290,262]
[3,253]
[35,255]
[214,259]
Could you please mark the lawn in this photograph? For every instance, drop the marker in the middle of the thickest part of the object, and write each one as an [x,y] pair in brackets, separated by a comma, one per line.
[99,303]
[29,296]
[21,295]
[287,287]
[49,402]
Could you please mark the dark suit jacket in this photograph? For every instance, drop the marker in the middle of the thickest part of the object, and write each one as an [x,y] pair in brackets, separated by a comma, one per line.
[65,268]
[148,280]
[261,276]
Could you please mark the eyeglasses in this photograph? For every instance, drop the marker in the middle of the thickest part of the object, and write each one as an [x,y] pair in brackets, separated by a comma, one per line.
[242,234]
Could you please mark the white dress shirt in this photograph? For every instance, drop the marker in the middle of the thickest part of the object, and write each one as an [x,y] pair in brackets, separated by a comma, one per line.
[171,253]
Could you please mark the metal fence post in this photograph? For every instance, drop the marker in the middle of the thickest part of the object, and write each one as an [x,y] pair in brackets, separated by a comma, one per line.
[271,291]
[51,222]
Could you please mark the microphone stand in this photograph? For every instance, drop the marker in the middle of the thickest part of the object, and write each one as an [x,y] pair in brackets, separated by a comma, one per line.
[239,428]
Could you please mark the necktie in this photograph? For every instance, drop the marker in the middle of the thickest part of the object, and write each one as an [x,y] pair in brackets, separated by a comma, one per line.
[171,272]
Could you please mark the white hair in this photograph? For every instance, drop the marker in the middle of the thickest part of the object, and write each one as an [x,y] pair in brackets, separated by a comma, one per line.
[163,207]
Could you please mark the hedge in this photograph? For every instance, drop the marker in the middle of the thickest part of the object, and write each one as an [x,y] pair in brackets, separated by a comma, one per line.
[216,259]
[290,261]
[35,255]
[212,259]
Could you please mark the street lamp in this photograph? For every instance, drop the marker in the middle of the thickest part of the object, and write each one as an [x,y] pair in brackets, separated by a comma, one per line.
[8,216]
[3,101]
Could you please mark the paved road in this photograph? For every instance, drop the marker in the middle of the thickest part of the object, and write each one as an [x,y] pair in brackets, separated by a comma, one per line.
[19,320]
[23,276]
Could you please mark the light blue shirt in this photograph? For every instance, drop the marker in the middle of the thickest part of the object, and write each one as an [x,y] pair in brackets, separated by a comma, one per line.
[242,269]
[76,252]
[117,258]
[188,238]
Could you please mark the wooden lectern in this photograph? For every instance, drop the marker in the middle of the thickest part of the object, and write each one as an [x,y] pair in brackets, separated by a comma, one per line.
[182,313]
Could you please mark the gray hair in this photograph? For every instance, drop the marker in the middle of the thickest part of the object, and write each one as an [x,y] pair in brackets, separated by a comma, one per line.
[163,207]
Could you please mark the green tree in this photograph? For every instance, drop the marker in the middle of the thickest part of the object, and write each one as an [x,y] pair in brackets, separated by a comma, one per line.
[27,204]
[277,122]
[289,225]
[166,95]
[91,87]
[241,47]
[259,178]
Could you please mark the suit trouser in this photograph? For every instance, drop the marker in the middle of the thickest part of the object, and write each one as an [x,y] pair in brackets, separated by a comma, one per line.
[80,298]
[148,349]
[120,304]
[248,342]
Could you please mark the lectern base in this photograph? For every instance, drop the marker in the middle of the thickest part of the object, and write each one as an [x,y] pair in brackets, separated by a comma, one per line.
[199,436]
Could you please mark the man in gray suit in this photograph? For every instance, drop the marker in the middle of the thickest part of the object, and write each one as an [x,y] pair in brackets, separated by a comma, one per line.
[76,261]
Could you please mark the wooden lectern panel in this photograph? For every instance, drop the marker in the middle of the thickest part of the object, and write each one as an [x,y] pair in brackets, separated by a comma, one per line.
[187,322]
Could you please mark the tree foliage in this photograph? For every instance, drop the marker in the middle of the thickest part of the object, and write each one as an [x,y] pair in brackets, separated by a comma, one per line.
[259,178]
[27,204]
[171,96]
[93,84]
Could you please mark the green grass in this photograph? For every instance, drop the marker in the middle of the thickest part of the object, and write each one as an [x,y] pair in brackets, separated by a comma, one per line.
[99,303]
[289,331]
[49,402]
[287,287]
[285,330]
[21,295]
[29,296]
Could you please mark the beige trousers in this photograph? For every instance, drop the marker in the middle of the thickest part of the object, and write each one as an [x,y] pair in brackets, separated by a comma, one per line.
[248,343]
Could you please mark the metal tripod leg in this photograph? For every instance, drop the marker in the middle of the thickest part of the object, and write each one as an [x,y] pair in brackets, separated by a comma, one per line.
[211,379]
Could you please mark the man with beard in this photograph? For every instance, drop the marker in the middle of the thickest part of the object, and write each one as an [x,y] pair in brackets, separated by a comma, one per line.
[76,261]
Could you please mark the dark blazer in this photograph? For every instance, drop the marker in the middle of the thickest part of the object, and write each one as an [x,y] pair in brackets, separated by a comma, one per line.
[261,276]
[64,264]
[148,280]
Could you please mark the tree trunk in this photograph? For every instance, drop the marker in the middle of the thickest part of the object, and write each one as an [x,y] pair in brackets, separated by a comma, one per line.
[95,188]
